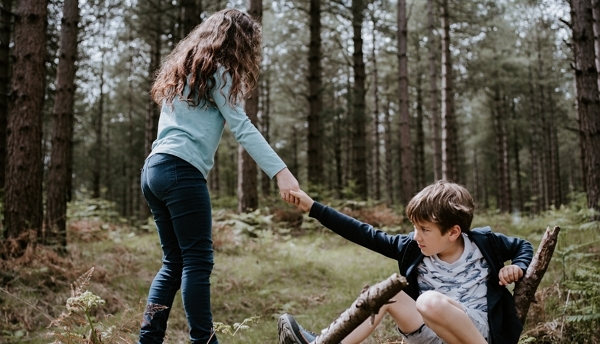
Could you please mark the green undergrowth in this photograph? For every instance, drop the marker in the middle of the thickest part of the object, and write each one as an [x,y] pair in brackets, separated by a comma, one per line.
[273,261]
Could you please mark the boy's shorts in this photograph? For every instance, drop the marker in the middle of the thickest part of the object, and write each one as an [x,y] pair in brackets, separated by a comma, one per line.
[425,335]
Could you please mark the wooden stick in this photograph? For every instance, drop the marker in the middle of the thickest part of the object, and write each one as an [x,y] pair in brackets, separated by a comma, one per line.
[368,303]
[524,292]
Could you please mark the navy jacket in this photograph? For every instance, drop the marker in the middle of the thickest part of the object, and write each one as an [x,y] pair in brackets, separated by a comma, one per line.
[505,327]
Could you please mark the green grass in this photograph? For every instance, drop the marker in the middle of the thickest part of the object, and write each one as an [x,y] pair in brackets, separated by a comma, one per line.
[265,271]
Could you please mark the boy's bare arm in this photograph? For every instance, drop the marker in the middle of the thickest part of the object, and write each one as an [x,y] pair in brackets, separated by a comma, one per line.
[303,201]
[510,274]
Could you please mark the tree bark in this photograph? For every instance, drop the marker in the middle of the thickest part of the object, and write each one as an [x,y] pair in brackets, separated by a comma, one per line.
[23,209]
[517,149]
[588,101]
[152,110]
[435,112]
[376,146]
[369,302]
[596,15]
[59,178]
[315,101]
[265,121]
[533,148]
[419,170]
[247,169]
[449,134]
[359,137]
[500,137]
[6,17]
[407,188]
[190,16]
[524,292]
[389,159]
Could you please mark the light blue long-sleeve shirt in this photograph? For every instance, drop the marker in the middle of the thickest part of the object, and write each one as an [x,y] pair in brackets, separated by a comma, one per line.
[193,133]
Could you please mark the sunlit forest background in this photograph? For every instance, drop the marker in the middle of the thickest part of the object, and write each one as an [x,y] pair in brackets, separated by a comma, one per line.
[366,101]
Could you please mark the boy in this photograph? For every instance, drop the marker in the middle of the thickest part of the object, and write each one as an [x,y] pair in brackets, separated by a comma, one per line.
[457,278]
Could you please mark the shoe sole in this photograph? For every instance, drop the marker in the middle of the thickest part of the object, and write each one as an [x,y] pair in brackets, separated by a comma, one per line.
[286,333]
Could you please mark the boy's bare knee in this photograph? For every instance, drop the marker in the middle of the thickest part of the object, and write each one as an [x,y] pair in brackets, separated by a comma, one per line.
[431,303]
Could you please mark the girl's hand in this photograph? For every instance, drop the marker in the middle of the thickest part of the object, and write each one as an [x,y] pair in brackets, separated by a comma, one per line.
[304,202]
[510,274]
[286,182]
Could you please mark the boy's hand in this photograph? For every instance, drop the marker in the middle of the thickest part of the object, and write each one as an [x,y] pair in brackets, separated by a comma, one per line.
[509,274]
[303,201]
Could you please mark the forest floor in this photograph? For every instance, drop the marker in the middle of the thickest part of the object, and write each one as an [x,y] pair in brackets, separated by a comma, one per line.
[267,263]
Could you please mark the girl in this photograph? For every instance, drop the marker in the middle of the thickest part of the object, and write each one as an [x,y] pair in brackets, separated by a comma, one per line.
[200,86]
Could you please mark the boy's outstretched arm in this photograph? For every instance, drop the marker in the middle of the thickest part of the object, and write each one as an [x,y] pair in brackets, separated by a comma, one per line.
[303,201]
[509,274]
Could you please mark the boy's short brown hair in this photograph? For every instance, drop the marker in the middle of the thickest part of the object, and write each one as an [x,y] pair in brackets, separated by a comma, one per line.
[443,203]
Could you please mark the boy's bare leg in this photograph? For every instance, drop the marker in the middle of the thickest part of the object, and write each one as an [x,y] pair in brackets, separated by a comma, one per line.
[403,311]
[448,319]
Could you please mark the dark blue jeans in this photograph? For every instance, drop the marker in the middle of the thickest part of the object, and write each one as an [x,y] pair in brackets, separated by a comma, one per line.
[178,197]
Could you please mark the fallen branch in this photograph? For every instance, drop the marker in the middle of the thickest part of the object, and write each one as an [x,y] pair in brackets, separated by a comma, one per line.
[524,292]
[368,303]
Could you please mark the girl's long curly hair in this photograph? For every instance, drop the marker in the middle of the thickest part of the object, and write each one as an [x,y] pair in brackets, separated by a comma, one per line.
[228,38]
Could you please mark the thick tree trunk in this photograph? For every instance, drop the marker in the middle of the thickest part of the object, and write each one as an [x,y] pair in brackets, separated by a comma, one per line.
[23,209]
[524,292]
[315,102]
[370,300]
[435,112]
[449,130]
[59,178]
[588,101]
[247,169]
[5,33]
[152,110]
[407,184]
[359,137]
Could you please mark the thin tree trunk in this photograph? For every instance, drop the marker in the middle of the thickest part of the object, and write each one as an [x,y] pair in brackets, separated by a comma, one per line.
[407,185]
[59,178]
[555,156]
[359,139]
[588,101]
[98,145]
[533,149]
[315,101]
[517,150]
[6,18]
[501,191]
[596,15]
[476,192]
[266,124]
[435,112]
[376,148]
[247,169]
[190,16]
[449,139]
[420,146]
[23,203]
[389,156]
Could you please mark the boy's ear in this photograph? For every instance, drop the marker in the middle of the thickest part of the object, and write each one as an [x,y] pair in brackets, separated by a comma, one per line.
[454,232]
